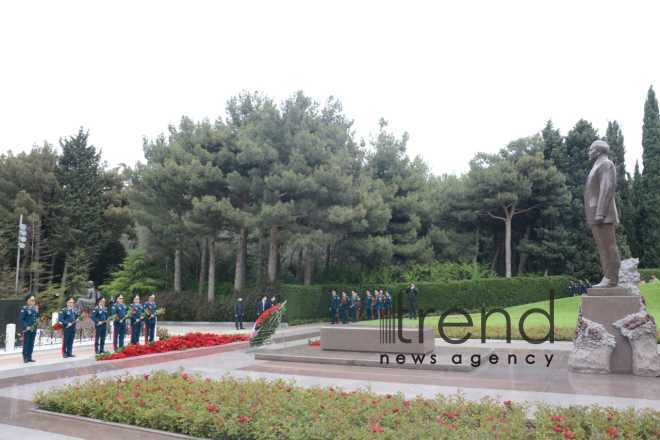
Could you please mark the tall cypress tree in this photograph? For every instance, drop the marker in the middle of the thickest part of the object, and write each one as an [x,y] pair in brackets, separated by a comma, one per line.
[649,216]
[614,137]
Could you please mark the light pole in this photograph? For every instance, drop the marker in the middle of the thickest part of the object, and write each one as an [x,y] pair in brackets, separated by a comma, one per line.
[22,238]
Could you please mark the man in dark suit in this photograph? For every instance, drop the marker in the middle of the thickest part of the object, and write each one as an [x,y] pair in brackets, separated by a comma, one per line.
[263,305]
[601,213]
[238,314]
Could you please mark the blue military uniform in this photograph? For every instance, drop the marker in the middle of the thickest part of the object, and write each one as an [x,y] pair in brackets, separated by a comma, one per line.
[29,316]
[334,308]
[67,318]
[136,322]
[379,307]
[150,321]
[100,318]
[387,304]
[119,325]
[344,305]
[355,305]
[368,302]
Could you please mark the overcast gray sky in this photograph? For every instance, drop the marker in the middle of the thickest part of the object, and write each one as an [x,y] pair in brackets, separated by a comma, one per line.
[460,78]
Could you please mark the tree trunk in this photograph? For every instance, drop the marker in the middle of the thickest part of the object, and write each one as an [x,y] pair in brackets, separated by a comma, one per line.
[507,241]
[202,264]
[211,289]
[261,258]
[307,266]
[493,264]
[273,255]
[177,270]
[522,262]
[37,256]
[52,269]
[65,272]
[241,257]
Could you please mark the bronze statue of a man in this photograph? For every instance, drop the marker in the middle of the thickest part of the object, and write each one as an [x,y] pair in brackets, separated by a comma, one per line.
[601,213]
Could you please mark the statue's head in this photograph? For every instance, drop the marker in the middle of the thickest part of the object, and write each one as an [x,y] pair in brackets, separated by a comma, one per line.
[598,148]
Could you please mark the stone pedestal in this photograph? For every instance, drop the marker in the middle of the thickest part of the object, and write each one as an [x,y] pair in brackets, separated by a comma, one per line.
[605,306]
[371,339]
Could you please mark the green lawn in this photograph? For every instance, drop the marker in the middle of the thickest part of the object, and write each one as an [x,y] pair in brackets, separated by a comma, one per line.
[536,325]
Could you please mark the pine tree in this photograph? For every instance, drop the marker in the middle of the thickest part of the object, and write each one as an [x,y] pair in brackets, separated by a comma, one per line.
[80,205]
[649,216]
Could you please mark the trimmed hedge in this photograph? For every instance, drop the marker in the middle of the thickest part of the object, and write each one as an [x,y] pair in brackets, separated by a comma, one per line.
[309,302]
[646,274]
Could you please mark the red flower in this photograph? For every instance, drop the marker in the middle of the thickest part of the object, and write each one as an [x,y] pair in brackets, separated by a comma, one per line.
[558,428]
[377,428]
[146,377]
[451,426]
[175,343]
[508,403]
[184,376]
[243,419]
[568,434]
[613,432]
[557,418]
[212,408]
[395,410]
[264,316]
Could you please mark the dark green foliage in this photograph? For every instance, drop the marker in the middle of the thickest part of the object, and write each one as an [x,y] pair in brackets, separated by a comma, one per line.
[649,205]
[646,274]
[307,302]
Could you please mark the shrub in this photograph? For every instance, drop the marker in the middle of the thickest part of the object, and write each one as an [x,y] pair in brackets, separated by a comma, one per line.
[646,274]
[469,295]
[231,408]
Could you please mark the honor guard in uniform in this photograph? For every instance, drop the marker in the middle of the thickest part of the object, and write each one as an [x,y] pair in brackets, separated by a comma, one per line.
[344,305]
[29,317]
[136,319]
[335,303]
[368,304]
[412,300]
[355,306]
[100,318]
[119,323]
[387,304]
[378,308]
[150,319]
[238,313]
[68,317]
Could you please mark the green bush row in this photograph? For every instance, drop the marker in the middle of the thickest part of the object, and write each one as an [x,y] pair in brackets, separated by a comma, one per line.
[646,274]
[307,302]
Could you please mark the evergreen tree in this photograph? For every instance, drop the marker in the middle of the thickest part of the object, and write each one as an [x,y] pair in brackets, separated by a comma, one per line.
[614,137]
[80,207]
[649,215]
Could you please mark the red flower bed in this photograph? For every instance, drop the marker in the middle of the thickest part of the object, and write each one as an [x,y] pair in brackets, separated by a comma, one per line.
[176,343]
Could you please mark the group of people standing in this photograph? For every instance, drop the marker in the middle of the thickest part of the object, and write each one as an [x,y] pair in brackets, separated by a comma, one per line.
[376,305]
[137,314]
[262,305]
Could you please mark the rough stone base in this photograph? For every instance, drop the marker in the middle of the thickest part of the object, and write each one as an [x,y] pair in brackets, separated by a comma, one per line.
[606,310]
[593,361]
[646,360]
